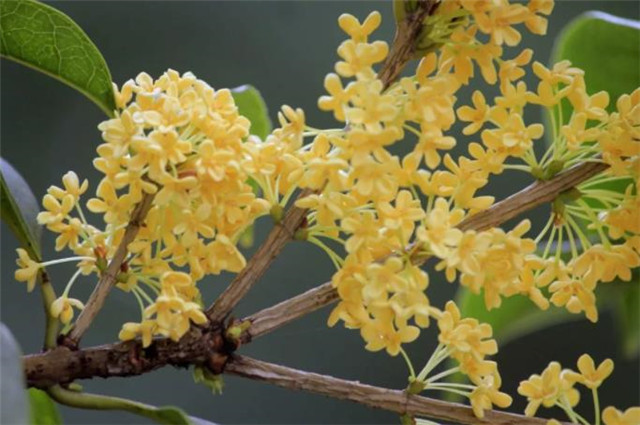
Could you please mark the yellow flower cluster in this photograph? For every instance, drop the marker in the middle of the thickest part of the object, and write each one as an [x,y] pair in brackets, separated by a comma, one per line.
[184,144]
[556,387]
[469,342]
[374,198]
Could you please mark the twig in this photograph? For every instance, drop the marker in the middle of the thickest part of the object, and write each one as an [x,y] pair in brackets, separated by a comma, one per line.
[108,277]
[528,198]
[404,45]
[407,35]
[51,323]
[282,233]
[376,397]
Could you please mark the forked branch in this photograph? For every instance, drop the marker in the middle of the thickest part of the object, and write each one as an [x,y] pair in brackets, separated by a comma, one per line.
[109,276]
[527,199]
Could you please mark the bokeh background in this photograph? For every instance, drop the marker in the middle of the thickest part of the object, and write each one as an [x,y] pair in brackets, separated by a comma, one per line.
[285,49]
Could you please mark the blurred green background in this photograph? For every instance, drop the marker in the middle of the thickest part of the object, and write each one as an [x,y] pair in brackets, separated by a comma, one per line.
[285,49]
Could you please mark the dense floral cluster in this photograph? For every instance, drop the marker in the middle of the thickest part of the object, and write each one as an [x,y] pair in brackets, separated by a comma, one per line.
[555,387]
[184,145]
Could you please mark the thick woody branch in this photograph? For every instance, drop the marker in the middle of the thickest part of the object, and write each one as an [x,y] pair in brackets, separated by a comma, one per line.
[63,365]
[108,277]
[528,198]
[208,347]
[379,398]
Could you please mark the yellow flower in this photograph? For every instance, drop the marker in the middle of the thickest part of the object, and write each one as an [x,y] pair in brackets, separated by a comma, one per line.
[476,115]
[380,333]
[498,22]
[28,269]
[146,329]
[357,31]
[514,137]
[547,389]
[63,308]
[613,416]
[403,214]
[589,375]
[72,186]
[439,230]
[339,96]
[56,211]
[69,234]
[487,393]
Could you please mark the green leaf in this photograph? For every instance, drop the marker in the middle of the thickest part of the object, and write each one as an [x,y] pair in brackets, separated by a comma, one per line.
[252,106]
[606,48]
[43,410]
[13,396]
[626,308]
[19,209]
[516,317]
[45,39]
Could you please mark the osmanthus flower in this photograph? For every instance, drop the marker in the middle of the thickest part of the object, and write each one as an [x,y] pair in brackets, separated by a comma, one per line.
[145,329]
[439,231]
[476,115]
[487,394]
[613,416]
[62,308]
[553,386]
[591,376]
[27,269]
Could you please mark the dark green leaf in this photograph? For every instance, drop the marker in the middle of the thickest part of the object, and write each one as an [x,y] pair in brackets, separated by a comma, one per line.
[516,317]
[19,209]
[606,48]
[45,39]
[43,410]
[626,308]
[252,106]
[13,396]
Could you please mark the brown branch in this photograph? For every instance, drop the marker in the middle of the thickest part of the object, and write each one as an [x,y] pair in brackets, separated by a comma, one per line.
[531,196]
[63,365]
[528,198]
[108,278]
[282,233]
[208,347]
[404,44]
[368,395]
[403,47]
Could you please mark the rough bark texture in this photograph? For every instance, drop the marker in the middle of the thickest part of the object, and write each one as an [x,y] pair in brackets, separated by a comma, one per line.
[63,365]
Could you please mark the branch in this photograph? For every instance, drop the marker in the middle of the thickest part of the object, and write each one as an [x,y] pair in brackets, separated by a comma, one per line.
[282,233]
[63,365]
[108,277]
[408,32]
[397,401]
[528,198]
[403,47]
